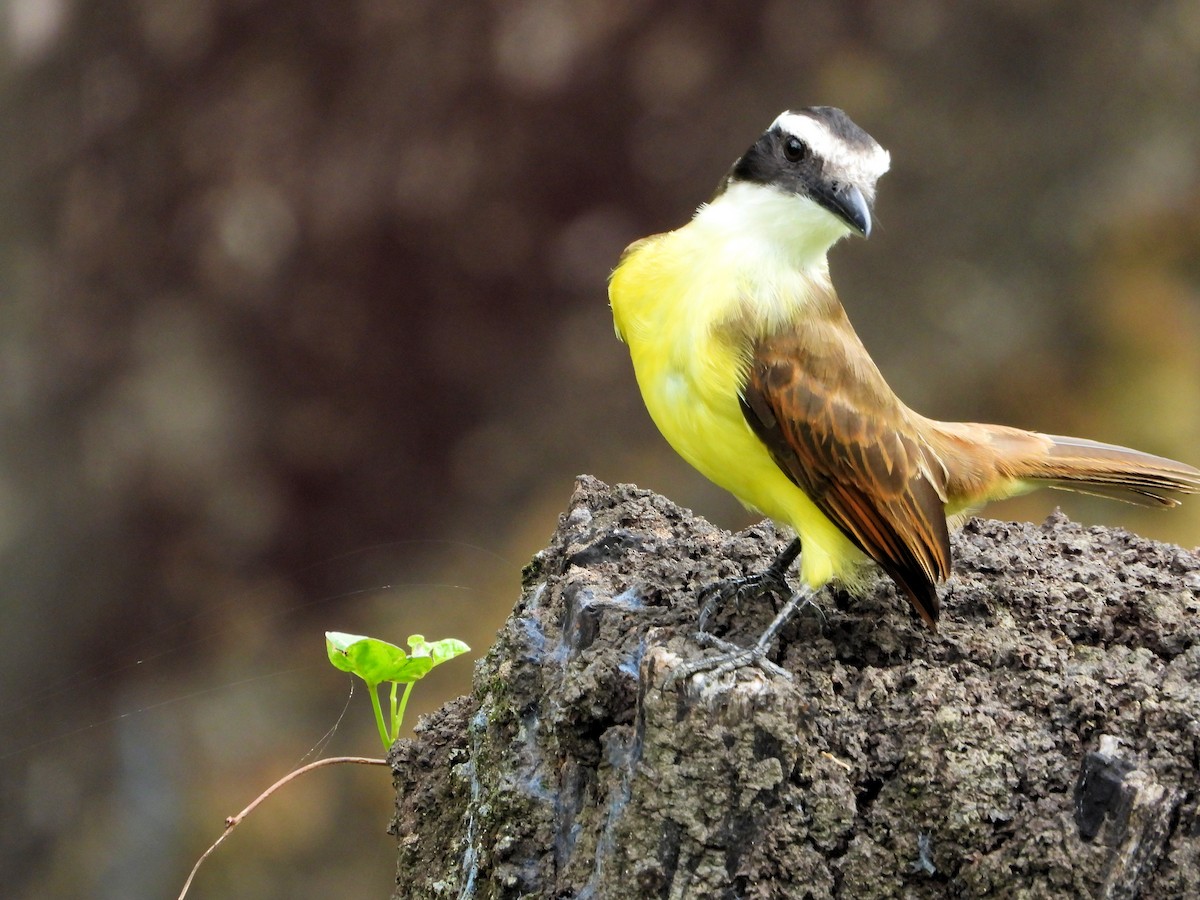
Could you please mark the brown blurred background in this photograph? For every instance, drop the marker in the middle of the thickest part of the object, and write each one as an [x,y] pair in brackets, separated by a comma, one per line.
[303,326]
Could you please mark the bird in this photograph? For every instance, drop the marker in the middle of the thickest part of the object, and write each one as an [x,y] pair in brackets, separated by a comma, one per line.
[749,366]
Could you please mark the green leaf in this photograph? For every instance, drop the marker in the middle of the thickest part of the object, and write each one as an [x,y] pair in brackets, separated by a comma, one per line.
[424,655]
[376,661]
[372,660]
[439,651]
[336,643]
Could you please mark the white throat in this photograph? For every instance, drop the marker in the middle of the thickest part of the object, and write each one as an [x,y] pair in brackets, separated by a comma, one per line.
[767,252]
[761,225]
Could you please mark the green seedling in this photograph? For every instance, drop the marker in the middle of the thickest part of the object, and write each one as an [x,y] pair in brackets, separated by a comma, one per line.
[377,662]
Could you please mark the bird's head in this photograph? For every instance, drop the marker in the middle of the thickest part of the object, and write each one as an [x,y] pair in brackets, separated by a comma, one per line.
[821,158]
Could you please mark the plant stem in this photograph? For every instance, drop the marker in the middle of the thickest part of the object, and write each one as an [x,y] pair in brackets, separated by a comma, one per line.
[233,821]
[383,734]
[403,706]
[395,720]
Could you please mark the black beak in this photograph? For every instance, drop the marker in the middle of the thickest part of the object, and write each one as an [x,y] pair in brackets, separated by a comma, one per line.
[846,202]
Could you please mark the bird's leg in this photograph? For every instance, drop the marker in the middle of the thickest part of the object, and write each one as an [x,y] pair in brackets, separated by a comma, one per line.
[772,580]
[735,657]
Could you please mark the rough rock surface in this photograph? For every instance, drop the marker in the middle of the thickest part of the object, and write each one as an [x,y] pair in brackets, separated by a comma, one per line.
[1045,743]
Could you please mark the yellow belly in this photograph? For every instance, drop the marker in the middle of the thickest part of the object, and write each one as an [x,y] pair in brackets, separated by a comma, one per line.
[675,308]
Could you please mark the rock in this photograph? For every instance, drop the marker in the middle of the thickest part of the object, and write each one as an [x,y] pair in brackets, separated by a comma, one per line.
[1044,743]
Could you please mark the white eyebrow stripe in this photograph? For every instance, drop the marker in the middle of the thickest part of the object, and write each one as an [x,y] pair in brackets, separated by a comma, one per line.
[812,132]
[865,166]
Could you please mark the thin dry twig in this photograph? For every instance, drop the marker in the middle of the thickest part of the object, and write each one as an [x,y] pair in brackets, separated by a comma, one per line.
[233,821]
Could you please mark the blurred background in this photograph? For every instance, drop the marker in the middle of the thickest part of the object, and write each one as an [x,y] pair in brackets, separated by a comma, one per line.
[303,326]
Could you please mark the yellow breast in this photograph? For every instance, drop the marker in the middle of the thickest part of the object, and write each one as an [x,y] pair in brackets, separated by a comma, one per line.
[690,317]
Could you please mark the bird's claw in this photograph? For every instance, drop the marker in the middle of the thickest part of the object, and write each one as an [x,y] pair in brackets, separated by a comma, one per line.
[769,583]
[734,657]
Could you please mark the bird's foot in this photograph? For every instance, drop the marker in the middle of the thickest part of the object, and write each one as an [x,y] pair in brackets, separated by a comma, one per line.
[767,583]
[735,657]
[771,582]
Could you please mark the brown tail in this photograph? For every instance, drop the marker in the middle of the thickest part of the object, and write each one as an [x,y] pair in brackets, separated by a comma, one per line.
[1106,470]
[1023,460]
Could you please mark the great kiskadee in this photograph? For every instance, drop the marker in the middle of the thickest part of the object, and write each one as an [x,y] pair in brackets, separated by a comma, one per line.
[750,368]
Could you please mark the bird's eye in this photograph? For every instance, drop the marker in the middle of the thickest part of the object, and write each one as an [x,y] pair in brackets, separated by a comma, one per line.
[795,149]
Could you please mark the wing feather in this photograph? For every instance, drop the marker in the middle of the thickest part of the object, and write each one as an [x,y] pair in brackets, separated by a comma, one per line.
[840,435]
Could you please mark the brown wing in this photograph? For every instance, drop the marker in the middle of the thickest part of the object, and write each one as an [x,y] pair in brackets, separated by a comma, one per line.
[832,424]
